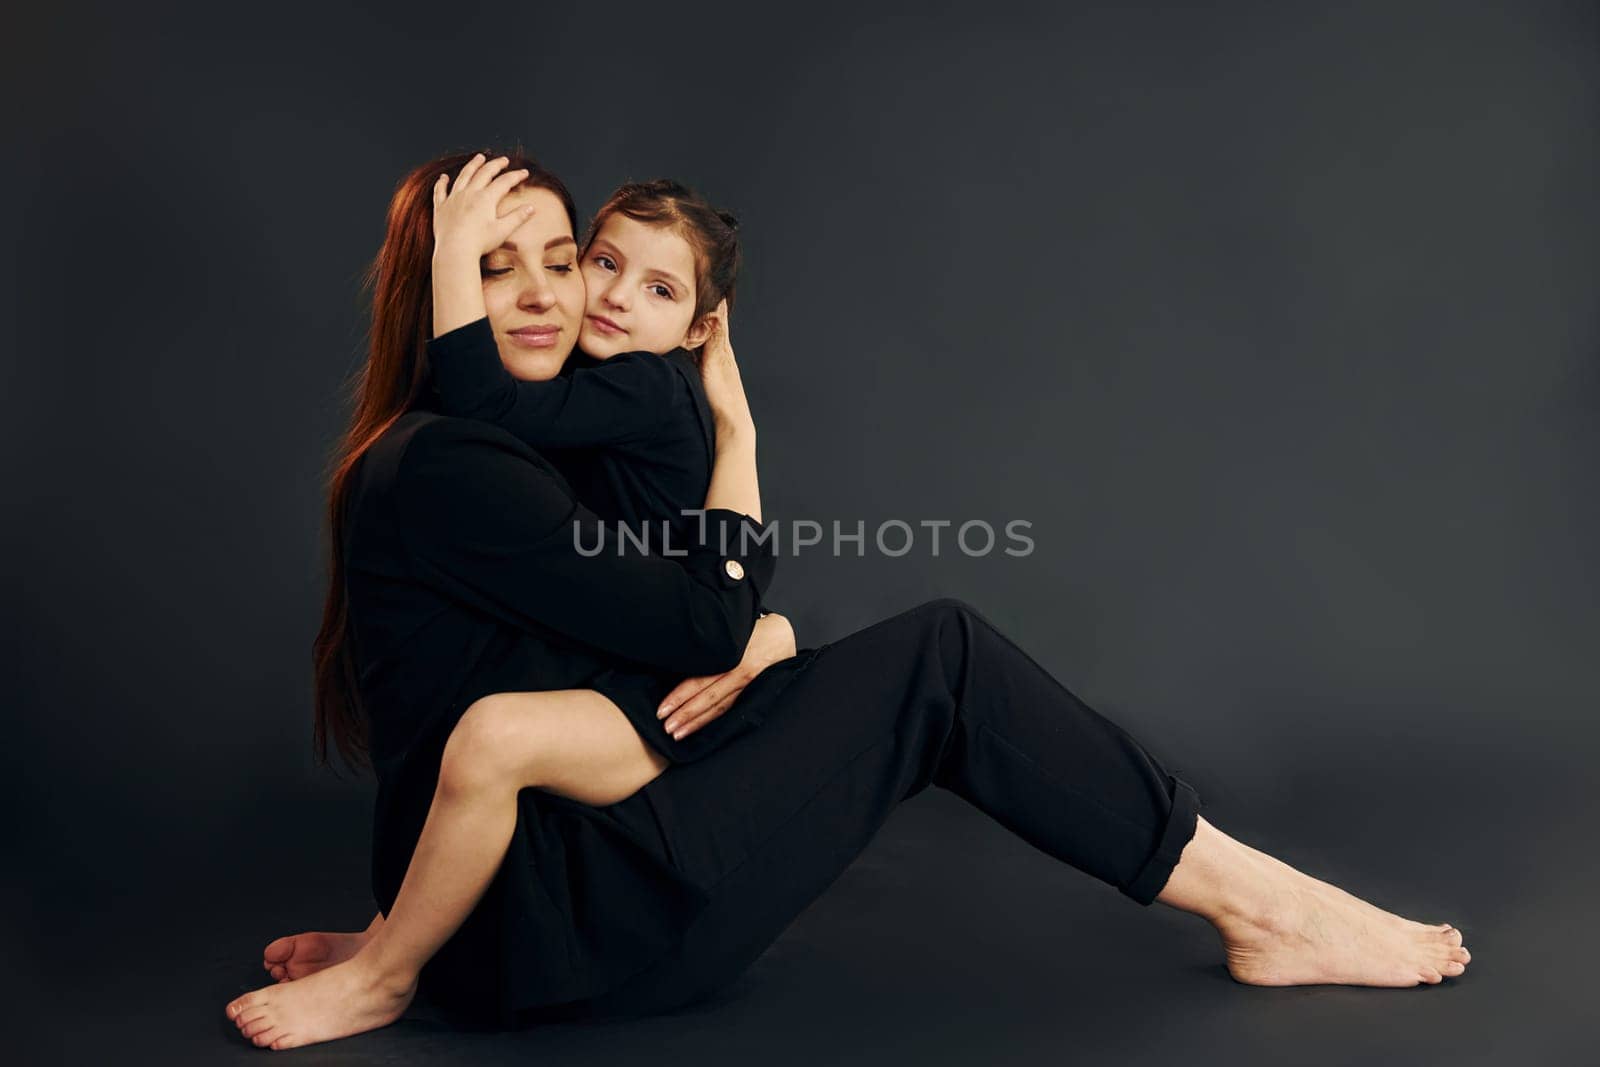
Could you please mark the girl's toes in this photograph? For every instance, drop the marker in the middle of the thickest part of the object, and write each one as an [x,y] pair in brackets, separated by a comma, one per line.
[1452,936]
[1460,954]
[286,1041]
[1430,976]
[1452,968]
[256,1026]
[266,1037]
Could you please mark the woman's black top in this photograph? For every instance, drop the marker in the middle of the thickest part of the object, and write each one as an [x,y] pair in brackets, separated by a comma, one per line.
[465,579]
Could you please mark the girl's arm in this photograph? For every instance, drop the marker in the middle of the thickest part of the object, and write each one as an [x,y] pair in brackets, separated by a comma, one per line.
[624,400]
[548,564]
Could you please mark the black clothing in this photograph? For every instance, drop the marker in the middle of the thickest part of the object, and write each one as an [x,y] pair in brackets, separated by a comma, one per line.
[633,434]
[464,580]
[932,696]
[634,437]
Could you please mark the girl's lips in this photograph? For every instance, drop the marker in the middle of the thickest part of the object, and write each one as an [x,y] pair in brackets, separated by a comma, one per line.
[535,337]
[606,326]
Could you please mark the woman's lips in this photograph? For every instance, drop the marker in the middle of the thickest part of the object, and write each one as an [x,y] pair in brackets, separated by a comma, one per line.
[535,336]
[606,326]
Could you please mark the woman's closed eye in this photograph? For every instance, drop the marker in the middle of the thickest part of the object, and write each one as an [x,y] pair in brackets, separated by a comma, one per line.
[559,268]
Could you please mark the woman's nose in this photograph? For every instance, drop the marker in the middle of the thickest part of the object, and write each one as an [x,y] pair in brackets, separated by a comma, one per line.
[537,294]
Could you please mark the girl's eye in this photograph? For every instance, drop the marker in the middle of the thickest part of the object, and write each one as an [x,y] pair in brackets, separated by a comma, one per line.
[661,291]
[604,261]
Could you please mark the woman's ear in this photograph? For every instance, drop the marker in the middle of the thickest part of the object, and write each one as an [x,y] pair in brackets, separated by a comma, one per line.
[700,331]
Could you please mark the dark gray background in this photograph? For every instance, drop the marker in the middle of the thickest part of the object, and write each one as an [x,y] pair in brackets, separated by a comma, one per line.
[1276,321]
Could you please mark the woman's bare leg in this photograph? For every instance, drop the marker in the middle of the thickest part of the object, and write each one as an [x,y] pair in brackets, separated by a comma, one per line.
[1282,927]
[575,742]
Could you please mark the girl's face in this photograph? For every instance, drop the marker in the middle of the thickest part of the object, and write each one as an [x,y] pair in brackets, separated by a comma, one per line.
[640,278]
[533,289]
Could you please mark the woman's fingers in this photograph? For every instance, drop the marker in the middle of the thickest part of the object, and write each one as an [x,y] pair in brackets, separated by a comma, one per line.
[706,700]
[502,185]
[468,168]
[709,715]
[484,174]
[684,690]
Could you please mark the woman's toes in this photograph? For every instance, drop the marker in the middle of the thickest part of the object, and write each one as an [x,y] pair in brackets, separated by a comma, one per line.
[256,1026]
[1430,976]
[279,950]
[1452,936]
[1451,968]
[1462,954]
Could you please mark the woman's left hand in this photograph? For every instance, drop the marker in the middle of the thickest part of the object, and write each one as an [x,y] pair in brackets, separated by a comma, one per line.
[697,701]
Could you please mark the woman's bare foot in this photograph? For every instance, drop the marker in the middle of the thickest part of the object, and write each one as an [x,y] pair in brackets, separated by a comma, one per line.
[299,955]
[1281,927]
[346,998]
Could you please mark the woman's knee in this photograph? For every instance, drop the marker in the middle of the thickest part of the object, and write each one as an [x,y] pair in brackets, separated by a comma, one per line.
[948,608]
[495,743]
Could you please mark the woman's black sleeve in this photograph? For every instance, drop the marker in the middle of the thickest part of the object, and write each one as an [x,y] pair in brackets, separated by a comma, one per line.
[488,522]
[625,399]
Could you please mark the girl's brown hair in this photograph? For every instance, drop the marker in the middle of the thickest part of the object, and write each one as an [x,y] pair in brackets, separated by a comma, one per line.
[388,385]
[713,234]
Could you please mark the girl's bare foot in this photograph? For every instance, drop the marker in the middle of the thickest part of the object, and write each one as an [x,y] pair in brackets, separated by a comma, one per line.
[1281,927]
[299,955]
[346,998]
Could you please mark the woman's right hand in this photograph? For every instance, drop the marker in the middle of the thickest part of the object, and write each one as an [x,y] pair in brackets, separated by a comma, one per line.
[719,371]
[467,223]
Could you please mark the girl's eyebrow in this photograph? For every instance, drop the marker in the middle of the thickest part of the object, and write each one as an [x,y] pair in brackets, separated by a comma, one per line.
[671,278]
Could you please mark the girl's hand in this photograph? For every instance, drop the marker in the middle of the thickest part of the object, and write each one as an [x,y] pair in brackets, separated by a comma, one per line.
[720,374]
[697,701]
[467,223]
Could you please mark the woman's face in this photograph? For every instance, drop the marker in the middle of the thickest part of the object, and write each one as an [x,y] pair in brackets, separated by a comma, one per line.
[640,278]
[533,289]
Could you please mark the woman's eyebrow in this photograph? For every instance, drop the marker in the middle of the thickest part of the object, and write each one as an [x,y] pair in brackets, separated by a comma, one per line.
[511,246]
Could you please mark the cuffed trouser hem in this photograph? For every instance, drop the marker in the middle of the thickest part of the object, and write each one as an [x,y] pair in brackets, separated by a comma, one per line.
[1179,831]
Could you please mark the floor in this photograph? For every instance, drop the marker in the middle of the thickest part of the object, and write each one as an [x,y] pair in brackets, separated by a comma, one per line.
[1002,958]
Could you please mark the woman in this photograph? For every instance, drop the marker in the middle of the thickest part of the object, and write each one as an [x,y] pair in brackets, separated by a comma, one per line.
[455,543]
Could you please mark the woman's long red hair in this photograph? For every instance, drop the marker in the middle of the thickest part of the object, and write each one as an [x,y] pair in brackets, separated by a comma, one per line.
[387,386]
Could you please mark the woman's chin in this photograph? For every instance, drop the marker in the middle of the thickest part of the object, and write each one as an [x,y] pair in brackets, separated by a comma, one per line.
[532,366]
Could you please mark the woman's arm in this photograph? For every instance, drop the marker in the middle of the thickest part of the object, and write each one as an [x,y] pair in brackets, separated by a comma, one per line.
[624,400]
[548,564]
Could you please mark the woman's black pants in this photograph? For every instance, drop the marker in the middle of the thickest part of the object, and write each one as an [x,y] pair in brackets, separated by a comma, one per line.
[935,695]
